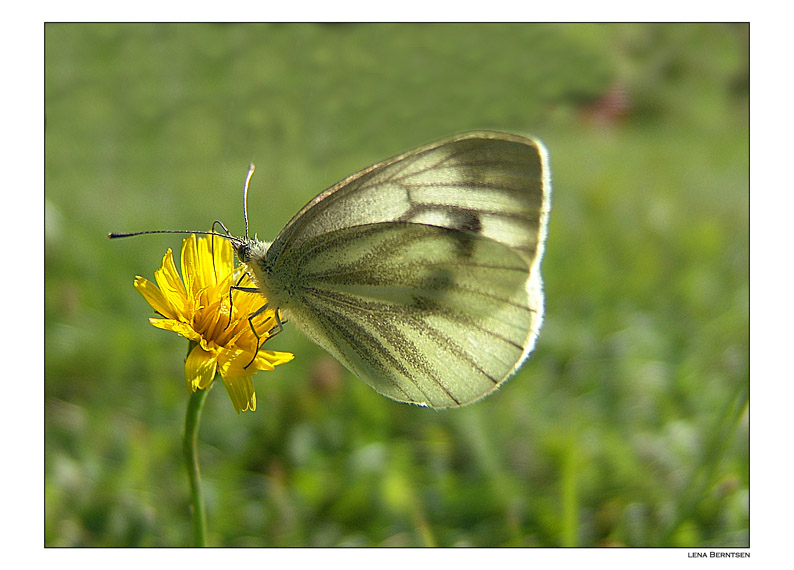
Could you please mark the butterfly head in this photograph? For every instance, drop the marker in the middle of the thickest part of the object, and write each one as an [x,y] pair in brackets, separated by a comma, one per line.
[250,251]
[243,250]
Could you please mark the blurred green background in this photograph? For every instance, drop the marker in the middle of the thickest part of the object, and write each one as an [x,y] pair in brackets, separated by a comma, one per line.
[629,424]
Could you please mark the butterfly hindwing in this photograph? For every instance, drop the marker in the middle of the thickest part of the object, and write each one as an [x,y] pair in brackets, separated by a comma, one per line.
[423,314]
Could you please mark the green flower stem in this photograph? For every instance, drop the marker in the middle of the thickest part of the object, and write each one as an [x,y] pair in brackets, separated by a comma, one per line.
[190,448]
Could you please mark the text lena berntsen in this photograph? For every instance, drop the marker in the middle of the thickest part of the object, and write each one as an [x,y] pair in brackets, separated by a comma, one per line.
[717,554]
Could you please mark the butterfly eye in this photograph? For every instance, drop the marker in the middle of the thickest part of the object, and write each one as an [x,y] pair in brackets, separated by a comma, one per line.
[243,252]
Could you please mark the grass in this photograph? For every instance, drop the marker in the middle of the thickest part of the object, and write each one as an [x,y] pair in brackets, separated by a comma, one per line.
[629,424]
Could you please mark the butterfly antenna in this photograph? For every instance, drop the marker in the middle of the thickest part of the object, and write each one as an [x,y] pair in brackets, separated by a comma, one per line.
[228,236]
[224,228]
[251,169]
[113,235]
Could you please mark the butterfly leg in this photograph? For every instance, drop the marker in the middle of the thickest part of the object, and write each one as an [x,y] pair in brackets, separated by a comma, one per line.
[279,326]
[231,301]
[251,318]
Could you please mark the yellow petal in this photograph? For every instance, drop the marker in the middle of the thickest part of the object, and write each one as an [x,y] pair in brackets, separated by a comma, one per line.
[169,281]
[225,257]
[235,361]
[178,327]
[205,262]
[200,369]
[216,259]
[154,297]
[189,263]
[272,358]
[171,286]
[241,392]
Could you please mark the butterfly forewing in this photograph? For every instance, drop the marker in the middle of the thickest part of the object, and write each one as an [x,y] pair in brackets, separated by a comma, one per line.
[489,183]
[421,273]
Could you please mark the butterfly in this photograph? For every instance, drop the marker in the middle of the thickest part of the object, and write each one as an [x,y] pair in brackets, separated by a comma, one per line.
[420,273]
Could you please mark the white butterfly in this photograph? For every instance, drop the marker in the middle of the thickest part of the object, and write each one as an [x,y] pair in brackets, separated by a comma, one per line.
[421,273]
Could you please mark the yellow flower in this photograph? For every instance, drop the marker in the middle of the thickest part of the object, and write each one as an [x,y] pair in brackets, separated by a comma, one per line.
[199,308]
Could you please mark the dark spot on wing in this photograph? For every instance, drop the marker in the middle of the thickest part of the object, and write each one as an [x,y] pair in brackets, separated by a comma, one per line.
[440,280]
[465,220]
[467,226]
